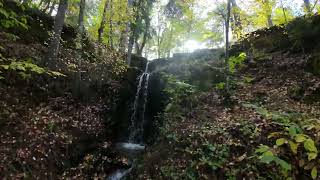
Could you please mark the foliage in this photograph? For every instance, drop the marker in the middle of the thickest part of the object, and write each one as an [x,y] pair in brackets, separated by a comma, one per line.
[26,68]
[236,62]
[177,91]
[295,148]
[303,32]
[292,144]
[10,19]
[220,86]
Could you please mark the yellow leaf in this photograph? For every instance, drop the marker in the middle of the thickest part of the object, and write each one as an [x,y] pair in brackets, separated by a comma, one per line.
[300,138]
[310,146]
[280,141]
[312,156]
[314,173]
[293,147]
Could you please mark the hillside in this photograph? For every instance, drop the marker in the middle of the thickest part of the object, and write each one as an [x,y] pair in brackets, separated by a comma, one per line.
[267,128]
[79,101]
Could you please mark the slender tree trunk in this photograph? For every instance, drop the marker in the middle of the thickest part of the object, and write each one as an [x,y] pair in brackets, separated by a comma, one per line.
[52,8]
[144,39]
[79,46]
[158,44]
[53,52]
[269,13]
[110,25]
[103,21]
[81,16]
[137,46]
[130,44]
[131,38]
[227,21]
[270,23]
[237,19]
[158,38]
[124,34]
[307,5]
[47,6]
[284,12]
[124,39]
[143,44]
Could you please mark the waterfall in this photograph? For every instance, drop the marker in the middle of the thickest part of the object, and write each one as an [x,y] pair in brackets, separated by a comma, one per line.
[134,145]
[139,107]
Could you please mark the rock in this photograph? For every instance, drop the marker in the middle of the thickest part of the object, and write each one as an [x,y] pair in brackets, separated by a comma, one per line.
[314,64]
[138,62]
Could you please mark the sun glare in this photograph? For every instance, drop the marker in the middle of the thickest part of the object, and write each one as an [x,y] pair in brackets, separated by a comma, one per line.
[192,45]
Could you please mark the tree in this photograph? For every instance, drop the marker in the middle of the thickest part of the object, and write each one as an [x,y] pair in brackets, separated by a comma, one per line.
[237,29]
[79,45]
[227,43]
[103,21]
[53,49]
[263,12]
[140,24]
[53,5]
[307,6]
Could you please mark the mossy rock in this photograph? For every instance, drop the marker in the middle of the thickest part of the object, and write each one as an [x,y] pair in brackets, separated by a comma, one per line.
[314,64]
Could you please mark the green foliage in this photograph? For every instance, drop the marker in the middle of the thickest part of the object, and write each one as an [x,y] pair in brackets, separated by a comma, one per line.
[208,156]
[235,62]
[26,68]
[294,147]
[9,19]
[298,145]
[177,91]
[303,32]
[267,156]
[248,79]
[282,16]
[220,86]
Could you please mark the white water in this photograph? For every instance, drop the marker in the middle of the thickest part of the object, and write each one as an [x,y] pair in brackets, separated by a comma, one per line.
[137,118]
[119,174]
[134,146]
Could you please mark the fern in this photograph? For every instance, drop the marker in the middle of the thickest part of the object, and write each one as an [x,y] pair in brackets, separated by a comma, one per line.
[236,61]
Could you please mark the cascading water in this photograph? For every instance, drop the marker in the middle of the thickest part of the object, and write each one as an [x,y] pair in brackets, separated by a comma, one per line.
[139,107]
[133,146]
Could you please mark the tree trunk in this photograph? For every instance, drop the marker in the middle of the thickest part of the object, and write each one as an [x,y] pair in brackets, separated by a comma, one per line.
[52,8]
[53,52]
[103,21]
[79,46]
[47,6]
[137,46]
[227,21]
[124,39]
[110,25]
[284,12]
[81,16]
[269,13]
[237,19]
[143,44]
[307,5]
[270,23]
[130,45]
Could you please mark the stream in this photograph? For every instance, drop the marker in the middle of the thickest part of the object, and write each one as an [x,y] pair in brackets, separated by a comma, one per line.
[134,146]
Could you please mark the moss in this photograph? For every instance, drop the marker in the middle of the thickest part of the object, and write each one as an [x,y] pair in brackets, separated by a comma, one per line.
[314,64]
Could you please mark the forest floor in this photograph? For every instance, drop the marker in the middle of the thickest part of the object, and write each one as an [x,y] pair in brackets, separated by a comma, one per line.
[47,132]
[211,140]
